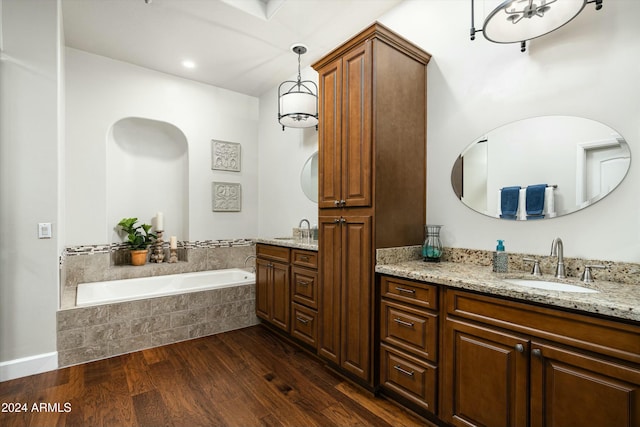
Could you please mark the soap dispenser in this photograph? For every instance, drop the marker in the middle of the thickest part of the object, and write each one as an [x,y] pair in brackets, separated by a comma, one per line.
[500,258]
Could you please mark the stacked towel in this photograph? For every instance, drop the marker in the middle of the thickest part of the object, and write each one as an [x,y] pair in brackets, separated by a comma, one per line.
[509,202]
[535,201]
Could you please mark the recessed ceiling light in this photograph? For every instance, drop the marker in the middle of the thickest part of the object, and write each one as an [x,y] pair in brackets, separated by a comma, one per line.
[188,64]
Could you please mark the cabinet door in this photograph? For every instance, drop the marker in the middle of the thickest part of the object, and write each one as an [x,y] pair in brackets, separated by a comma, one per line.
[357,127]
[485,381]
[572,388]
[263,273]
[281,297]
[329,253]
[329,155]
[357,296]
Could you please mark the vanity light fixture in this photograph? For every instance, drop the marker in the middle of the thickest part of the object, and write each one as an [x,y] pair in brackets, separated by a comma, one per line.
[521,20]
[298,100]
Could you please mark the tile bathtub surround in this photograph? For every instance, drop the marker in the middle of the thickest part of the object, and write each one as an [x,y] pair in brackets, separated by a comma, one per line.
[98,263]
[620,272]
[91,333]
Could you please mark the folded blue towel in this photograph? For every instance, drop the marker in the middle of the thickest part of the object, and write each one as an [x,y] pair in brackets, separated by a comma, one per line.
[509,198]
[535,201]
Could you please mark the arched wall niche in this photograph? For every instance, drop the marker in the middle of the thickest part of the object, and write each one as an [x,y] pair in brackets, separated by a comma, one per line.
[148,172]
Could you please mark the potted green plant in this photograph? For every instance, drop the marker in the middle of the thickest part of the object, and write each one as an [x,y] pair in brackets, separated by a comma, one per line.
[139,237]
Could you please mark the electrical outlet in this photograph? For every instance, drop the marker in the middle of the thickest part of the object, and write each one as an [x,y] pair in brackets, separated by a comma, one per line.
[44,230]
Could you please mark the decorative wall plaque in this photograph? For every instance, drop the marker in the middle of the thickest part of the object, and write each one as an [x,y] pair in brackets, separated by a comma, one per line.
[225,156]
[226,196]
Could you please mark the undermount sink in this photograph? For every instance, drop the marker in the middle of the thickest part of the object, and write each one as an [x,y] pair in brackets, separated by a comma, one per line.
[552,286]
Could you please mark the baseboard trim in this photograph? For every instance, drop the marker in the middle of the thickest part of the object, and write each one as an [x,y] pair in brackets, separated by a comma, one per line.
[26,366]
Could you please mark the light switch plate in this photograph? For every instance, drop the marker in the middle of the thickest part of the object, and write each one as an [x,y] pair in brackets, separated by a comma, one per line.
[44,230]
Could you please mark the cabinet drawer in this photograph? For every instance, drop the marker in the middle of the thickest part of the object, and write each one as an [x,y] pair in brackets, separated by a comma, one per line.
[409,377]
[603,336]
[302,258]
[416,293]
[305,325]
[275,253]
[305,286]
[410,329]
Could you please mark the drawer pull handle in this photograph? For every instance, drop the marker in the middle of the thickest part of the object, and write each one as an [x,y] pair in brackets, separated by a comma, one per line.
[304,258]
[403,371]
[303,283]
[301,320]
[403,323]
[405,290]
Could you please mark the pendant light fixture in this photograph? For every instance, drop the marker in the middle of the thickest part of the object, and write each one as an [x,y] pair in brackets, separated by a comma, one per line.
[516,21]
[298,100]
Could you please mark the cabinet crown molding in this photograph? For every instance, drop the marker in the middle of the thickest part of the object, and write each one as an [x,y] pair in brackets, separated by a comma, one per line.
[379,32]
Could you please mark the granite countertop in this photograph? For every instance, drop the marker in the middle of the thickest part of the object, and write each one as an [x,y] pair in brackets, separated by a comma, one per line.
[613,299]
[310,245]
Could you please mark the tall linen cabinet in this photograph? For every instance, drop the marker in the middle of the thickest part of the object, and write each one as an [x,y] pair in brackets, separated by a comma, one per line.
[372,182]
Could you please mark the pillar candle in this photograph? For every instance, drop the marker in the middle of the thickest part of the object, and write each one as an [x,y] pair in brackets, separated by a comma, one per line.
[159,222]
[173,242]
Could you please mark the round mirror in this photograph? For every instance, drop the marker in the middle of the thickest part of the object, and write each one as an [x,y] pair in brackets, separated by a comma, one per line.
[309,178]
[541,167]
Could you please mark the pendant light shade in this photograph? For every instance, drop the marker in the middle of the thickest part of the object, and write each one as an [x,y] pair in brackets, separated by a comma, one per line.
[298,100]
[516,21]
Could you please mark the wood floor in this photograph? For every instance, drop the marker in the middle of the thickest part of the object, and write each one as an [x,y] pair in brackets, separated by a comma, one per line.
[248,377]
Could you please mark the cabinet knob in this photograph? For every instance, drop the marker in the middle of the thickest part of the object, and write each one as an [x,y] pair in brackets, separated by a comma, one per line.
[343,202]
[536,352]
[519,348]
[336,202]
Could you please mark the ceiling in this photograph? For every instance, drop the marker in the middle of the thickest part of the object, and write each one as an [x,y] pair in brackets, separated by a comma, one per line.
[240,45]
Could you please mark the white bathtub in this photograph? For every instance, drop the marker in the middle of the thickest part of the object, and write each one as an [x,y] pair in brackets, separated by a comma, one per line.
[97,293]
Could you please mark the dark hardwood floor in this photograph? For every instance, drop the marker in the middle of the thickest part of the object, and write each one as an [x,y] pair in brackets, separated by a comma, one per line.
[248,377]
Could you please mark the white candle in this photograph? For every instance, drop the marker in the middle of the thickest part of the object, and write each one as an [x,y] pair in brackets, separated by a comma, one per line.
[173,242]
[159,222]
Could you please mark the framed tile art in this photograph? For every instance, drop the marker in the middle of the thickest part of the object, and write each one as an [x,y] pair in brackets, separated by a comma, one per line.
[225,156]
[226,196]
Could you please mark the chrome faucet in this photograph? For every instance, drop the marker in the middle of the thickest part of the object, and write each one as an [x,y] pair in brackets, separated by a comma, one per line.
[303,220]
[247,259]
[558,248]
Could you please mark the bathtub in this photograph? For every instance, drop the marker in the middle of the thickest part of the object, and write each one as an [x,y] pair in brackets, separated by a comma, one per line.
[97,293]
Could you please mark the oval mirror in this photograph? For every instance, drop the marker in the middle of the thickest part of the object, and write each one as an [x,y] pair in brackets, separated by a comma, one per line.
[541,167]
[309,178]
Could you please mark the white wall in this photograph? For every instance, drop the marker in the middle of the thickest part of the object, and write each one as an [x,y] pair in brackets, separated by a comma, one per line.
[588,68]
[29,150]
[100,91]
[282,156]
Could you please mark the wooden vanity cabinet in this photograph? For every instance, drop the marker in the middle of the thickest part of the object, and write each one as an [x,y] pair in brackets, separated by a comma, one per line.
[409,324]
[304,296]
[273,295]
[513,364]
[372,182]
[287,290]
